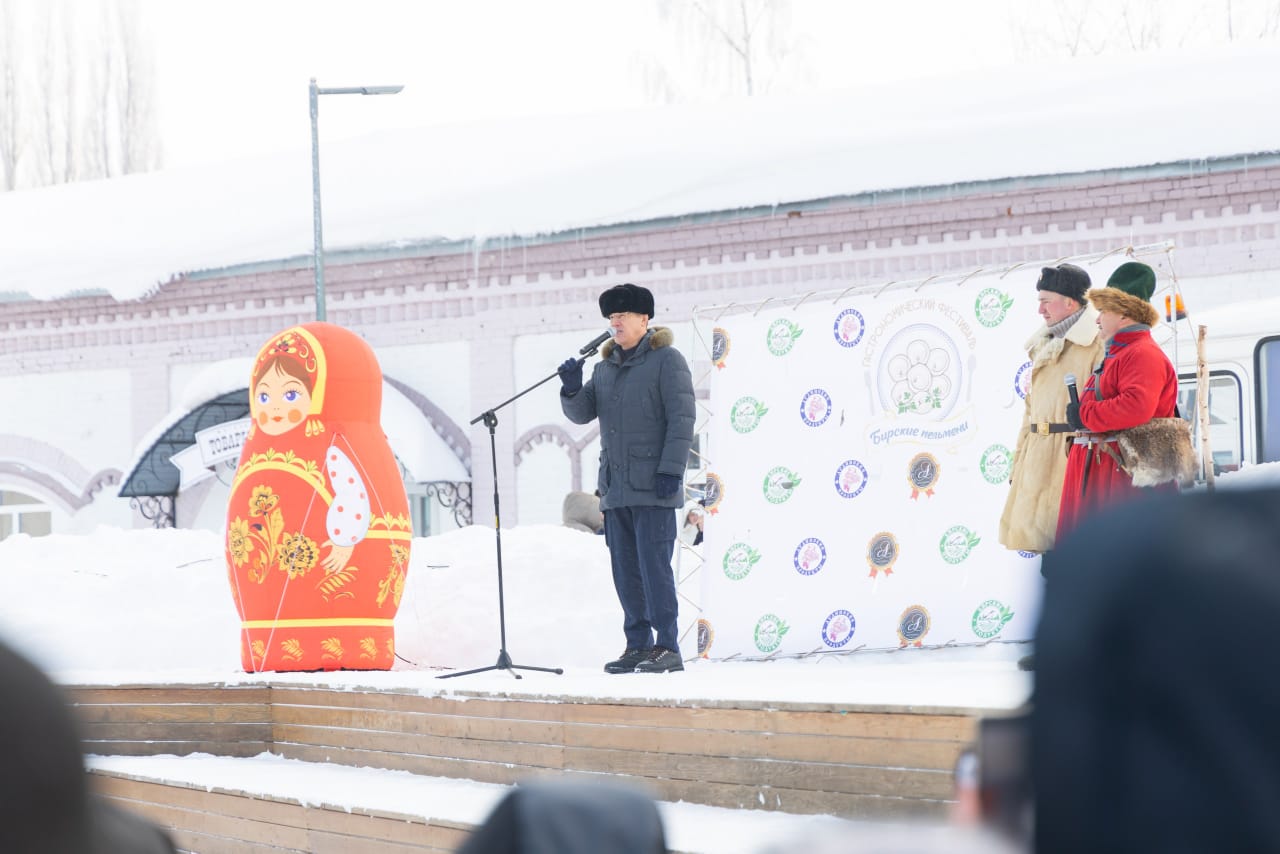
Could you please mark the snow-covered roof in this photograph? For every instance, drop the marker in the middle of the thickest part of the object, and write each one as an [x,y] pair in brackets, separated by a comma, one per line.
[538,176]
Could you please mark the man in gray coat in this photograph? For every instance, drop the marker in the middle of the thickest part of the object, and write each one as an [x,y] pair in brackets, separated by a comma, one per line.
[642,392]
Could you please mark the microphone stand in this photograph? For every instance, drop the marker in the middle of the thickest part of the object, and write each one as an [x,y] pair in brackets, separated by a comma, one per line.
[490,420]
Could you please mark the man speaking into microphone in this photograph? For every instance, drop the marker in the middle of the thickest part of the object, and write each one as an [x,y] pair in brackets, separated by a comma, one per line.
[1067,344]
[642,392]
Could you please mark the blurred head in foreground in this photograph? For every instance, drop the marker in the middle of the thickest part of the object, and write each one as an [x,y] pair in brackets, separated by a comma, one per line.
[1155,702]
[45,803]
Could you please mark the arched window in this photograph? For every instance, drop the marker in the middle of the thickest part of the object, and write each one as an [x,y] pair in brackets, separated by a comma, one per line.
[22,514]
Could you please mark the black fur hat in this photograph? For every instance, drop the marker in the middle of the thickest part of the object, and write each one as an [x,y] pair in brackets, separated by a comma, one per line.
[628,297]
[1066,279]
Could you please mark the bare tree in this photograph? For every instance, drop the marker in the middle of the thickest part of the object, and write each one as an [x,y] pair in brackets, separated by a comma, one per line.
[11,137]
[135,95]
[76,93]
[1075,27]
[734,47]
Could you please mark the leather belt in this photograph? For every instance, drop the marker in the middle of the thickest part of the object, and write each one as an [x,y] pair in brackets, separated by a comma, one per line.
[1044,428]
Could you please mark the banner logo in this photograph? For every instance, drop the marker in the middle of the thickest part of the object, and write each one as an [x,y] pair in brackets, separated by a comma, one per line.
[956,543]
[746,413]
[882,552]
[706,636]
[769,632]
[712,492]
[1022,380]
[922,473]
[991,306]
[913,625]
[996,464]
[923,367]
[849,327]
[851,479]
[810,556]
[838,629]
[779,483]
[815,407]
[739,559]
[782,336]
[990,618]
[719,346]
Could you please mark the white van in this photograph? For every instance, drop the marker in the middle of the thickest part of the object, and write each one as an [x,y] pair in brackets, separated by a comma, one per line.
[1242,353]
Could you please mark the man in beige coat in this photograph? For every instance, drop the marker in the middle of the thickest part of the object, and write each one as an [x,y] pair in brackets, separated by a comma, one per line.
[1069,343]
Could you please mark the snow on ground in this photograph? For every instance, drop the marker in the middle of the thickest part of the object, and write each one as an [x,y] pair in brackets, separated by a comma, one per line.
[144,606]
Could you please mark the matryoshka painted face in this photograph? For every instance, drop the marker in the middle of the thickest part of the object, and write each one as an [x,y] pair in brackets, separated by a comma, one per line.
[280,402]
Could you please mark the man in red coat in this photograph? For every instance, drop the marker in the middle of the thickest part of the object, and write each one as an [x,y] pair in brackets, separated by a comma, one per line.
[1135,383]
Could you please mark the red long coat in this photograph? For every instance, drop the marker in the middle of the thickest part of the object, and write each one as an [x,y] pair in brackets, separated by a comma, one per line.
[1137,383]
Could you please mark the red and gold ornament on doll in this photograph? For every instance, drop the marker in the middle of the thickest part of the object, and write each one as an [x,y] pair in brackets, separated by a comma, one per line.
[318,528]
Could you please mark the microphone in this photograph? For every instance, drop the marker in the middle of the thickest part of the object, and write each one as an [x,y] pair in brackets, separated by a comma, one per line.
[596,342]
[1072,391]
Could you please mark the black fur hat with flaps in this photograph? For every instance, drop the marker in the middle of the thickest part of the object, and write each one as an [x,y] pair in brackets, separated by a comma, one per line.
[628,297]
[1066,279]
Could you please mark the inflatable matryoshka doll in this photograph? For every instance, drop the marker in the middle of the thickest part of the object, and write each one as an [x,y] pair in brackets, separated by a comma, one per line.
[318,528]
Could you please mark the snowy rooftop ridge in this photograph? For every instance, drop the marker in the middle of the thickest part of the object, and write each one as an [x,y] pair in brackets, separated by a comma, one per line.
[541,176]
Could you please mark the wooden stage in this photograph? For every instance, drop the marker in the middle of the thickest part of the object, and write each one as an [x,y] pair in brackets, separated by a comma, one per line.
[802,758]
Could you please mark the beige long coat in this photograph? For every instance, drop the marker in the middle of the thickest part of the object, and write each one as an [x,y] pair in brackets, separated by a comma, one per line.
[1039,462]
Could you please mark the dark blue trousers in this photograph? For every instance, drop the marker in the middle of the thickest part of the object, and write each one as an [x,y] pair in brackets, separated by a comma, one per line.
[641,541]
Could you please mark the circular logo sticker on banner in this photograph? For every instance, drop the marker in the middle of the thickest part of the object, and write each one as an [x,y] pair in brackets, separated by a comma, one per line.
[996,464]
[922,364]
[956,543]
[738,561]
[990,618]
[922,473]
[746,414]
[991,306]
[849,327]
[913,625]
[810,556]
[779,483]
[712,492]
[706,636]
[838,628]
[719,346]
[851,479]
[770,629]
[782,336]
[882,552]
[1022,381]
[815,407]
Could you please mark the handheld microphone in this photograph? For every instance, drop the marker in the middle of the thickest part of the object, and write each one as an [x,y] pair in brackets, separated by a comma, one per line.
[596,342]
[1072,391]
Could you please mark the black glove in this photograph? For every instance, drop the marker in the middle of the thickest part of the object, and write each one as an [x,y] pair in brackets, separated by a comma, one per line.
[665,485]
[570,372]
[1073,417]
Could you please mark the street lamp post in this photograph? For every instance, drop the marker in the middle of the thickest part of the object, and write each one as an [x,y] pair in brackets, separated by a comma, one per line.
[316,92]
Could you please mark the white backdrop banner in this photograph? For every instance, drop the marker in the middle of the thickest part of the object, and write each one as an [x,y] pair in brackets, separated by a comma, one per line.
[858,459]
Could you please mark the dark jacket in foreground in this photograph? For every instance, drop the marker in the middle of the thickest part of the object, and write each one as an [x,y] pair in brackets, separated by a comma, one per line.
[646,411]
[1156,699]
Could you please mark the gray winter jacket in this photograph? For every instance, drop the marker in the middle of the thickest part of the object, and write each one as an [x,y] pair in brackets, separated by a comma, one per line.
[646,411]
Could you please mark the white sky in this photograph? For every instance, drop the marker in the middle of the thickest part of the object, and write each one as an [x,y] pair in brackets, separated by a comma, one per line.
[233,75]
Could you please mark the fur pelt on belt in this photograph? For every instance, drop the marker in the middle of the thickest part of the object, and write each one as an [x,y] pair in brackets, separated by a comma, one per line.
[1158,452]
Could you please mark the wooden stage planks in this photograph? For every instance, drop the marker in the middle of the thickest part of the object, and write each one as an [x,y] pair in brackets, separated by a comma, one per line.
[861,763]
